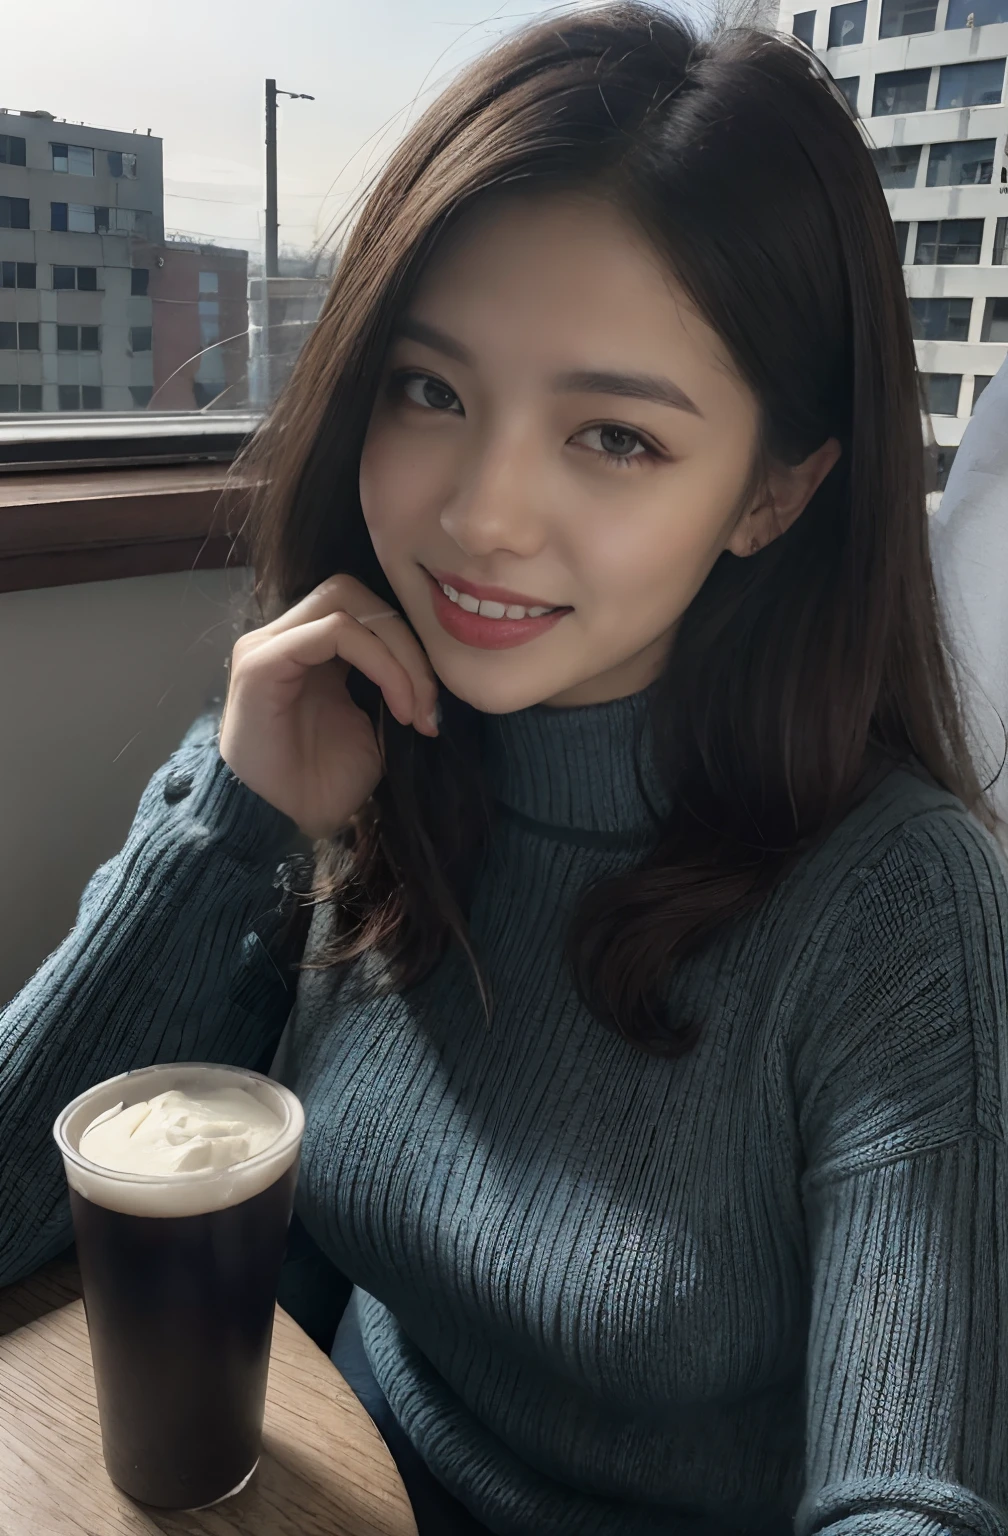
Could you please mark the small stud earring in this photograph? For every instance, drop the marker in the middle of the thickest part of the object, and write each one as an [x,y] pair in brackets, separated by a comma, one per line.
[754,546]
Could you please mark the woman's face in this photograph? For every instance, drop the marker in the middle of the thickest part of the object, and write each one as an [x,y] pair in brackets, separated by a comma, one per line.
[556,428]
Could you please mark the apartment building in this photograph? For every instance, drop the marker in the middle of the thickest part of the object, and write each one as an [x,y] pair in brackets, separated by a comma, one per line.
[200,315]
[928,79]
[75,313]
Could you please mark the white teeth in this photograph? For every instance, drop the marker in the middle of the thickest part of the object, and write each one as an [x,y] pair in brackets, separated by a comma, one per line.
[491,610]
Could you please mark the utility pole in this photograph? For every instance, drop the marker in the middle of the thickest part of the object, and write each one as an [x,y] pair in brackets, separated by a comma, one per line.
[272,267]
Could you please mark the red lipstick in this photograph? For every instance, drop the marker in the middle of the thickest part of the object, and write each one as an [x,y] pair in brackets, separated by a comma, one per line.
[487,634]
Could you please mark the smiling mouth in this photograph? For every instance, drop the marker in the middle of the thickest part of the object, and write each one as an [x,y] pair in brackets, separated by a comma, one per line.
[494,607]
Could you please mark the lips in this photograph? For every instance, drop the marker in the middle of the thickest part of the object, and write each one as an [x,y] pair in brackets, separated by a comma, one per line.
[491,634]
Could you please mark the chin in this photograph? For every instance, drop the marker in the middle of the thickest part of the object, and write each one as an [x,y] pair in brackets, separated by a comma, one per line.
[495,686]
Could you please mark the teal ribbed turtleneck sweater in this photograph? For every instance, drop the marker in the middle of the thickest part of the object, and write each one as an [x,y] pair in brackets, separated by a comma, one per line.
[759,1288]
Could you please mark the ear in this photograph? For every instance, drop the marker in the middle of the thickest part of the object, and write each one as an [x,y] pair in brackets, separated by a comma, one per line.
[789,489]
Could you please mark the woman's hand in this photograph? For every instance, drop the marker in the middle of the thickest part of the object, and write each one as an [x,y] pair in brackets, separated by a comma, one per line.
[290,730]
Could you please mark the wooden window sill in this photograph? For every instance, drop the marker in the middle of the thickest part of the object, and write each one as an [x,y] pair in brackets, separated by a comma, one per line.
[58,529]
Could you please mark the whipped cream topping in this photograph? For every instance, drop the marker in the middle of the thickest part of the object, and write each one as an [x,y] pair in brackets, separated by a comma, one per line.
[177,1132]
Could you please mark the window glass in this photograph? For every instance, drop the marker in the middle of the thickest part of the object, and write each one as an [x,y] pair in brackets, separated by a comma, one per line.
[14,213]
[977,84]
[940,319]
[9,397]
[91,397]
[89,338]
[803,27]
[897,165]
[901,90]
[1000,254]
[900,18]
[68,397]
[31,397]
[848,87]
[81,218]
[983,13]
[901,229]
[995,320]
[140,338]
[949,242]
[64,277]
[8,336]
[81,161]
[17,274]
[67,339]
[28,336]
[945,458]
[941,391]
[139,280]
[962,163]
[12,149]
[980,383]
[87,279]
[846,24]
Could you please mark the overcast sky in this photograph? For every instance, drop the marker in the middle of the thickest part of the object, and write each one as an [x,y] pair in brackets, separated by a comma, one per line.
[193,72]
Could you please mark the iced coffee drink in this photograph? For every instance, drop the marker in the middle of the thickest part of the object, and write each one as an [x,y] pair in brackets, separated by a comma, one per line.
[182,1185]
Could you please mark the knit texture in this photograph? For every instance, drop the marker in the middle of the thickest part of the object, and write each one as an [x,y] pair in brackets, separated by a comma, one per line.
[759,1289]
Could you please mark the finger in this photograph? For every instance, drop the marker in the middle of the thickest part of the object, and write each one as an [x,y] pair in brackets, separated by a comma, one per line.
[336,592]
[284,658]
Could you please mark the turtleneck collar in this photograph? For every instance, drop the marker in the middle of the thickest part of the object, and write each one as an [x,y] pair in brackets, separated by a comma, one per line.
[577,768]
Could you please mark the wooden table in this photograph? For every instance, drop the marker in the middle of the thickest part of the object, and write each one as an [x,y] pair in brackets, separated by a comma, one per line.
[324,1470]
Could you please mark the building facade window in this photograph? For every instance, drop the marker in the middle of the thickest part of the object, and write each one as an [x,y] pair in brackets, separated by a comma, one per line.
[949,243]
[978,84]
[20,397]
[139,282]
[83,278]
[901,229]
[940,319]
[848,88]
[995,320]
[941,391]
[74,159]
[14,213]
[962,163]
[79,397]
[980,382]
[901,90]
[140,338]
[17,274]
[81,218]
[897,165]
[19,336]
[121,221]
[78,338]
[846,24]
[141,394]
[1000,254]
[983,12]
[120,164]
[208,282]
[12,149]
[901,18]
[209,322]
[803,27]
[944,459]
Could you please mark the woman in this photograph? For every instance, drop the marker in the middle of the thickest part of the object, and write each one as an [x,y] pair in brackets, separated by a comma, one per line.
[651,1031]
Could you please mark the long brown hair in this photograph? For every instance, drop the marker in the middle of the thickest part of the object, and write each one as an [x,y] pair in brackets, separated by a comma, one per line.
[792,670]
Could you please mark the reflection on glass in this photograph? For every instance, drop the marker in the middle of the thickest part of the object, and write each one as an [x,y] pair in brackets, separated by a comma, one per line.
[803,27]
[949,242]
[983,12]
[977,84]
[961,163]
[940,319]
[897,165]
[941,392]
[901,90]
[847,23]
[901,18]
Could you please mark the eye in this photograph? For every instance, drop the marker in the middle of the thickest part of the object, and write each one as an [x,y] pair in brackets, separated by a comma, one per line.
[618,445]
[425,390]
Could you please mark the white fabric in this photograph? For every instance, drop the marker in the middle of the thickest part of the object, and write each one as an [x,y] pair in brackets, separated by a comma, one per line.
[969,550]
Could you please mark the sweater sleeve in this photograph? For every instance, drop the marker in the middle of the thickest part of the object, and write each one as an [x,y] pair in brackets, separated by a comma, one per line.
[900,1084]
[164,963]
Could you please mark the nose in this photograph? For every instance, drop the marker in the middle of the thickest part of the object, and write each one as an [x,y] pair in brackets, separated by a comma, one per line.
[498,506]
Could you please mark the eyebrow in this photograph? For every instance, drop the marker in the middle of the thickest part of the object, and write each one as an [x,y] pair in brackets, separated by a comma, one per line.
[593,381]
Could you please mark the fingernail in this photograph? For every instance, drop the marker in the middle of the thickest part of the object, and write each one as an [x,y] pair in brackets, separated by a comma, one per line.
[434,718]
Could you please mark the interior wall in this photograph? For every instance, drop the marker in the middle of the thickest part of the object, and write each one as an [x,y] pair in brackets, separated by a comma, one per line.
[98,685]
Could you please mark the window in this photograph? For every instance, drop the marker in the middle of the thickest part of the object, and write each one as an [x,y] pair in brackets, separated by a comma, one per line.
[140,338]
[983,13]
[79,397]
[848,88]
[208,282]
[23,397]
[980,383]
[17,274]
[58,216]
[14,213]
[846,24]
[940,319]
[1000,255]
[8,336]
[81,218]
[141,395]
[995,321]
[803,26]
[903,90]
[89,338]
[91,397]
[971,85]
[84,278]
[901,18]
[205,394]
[87,279]
[949,242]
[901,230]
[122,165]
[941,391]
[12,149]
[897,166]
[77,338]
[964,163]
[22,336]
[209,322]
[139,280]
[73,158]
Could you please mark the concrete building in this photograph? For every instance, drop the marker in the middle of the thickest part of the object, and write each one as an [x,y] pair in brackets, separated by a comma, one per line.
[75,318]
[927,77]
[200,316]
